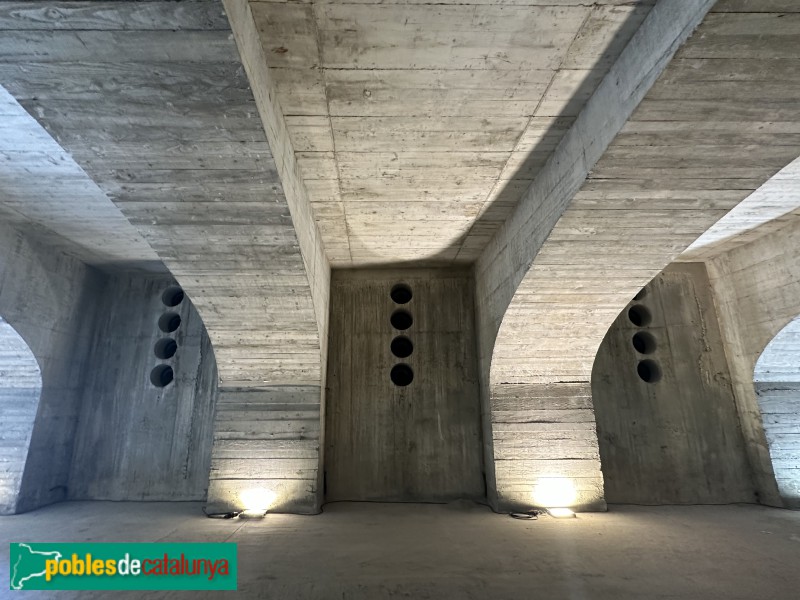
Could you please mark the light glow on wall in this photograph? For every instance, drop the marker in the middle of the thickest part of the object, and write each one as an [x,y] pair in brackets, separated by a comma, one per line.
[554,491]
[257,501]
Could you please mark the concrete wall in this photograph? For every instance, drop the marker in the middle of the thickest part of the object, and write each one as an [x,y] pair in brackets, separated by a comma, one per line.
[263,444]
[20,388]
[134,440]
[419,442]
[676,440]
[196,161]
[101,429]
[757,292]
[777,384]
[48,298]
[601,220]
[536,396]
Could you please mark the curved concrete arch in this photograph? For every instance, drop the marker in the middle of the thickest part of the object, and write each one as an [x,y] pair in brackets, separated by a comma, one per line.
[20,390]
[776,380]
[700,141]
[196,161]
[779,359]
[757,292]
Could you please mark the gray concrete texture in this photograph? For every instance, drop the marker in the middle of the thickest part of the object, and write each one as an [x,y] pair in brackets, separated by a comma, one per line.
[756,289]
[101,429]
[777,384]
[460,551]
[49,298]
[238,207]
[674,439]
[20,388]
[419,442]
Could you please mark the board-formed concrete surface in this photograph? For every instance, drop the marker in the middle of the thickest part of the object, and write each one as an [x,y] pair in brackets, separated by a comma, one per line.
[172,135]
[417,125]
[464,551]
[661,183]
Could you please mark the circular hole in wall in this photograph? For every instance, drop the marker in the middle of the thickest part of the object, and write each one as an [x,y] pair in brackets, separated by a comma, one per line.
[173,295]
[648,371]
[401,319]
[402,375]
[401,293]
[162,376]
[169,322]
[640,294]
[165,348]
[639,315]
[643,342]
[402,346]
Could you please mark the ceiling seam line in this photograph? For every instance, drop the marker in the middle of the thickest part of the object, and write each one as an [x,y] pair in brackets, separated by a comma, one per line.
[524,129]
[321,67]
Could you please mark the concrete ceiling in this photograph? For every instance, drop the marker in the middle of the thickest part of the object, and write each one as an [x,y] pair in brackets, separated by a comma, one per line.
[772,206]
[151,100]
[417,126]
[44,192]
[717,125]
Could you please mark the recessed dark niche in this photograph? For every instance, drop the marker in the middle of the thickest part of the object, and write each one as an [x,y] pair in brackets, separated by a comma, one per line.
[169,322]
[173,295]
[402,375]
[402,346]
[640,294]
[165,348]
[401,319]
[162,375]
[649,371]
[644,342]
[401,294]
[639,315]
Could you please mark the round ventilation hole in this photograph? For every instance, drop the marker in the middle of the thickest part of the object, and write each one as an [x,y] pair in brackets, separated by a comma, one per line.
[169,322]
[402,346]
[639,315]
[173,295]
[643,342]
[165,348]
[162,376]
[401,319]
[401,293]
[402,375]
[649,371]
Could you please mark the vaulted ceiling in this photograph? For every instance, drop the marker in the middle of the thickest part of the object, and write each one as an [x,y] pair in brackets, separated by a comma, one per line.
[417,126]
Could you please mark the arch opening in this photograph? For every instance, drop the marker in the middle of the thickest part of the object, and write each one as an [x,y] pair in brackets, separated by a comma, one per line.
[776,379]
[20,390]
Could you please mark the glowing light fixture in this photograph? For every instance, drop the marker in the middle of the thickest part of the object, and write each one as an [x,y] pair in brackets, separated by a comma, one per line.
[554,491]
[257,502]
[560,513]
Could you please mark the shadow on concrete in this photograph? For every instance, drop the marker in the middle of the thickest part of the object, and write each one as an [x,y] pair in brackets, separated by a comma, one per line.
[499,208]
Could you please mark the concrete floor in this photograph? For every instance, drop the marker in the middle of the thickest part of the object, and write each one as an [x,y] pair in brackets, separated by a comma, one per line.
[374,551]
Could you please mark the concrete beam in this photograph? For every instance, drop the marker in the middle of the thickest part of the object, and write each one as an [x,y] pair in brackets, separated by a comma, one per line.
[505,280]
